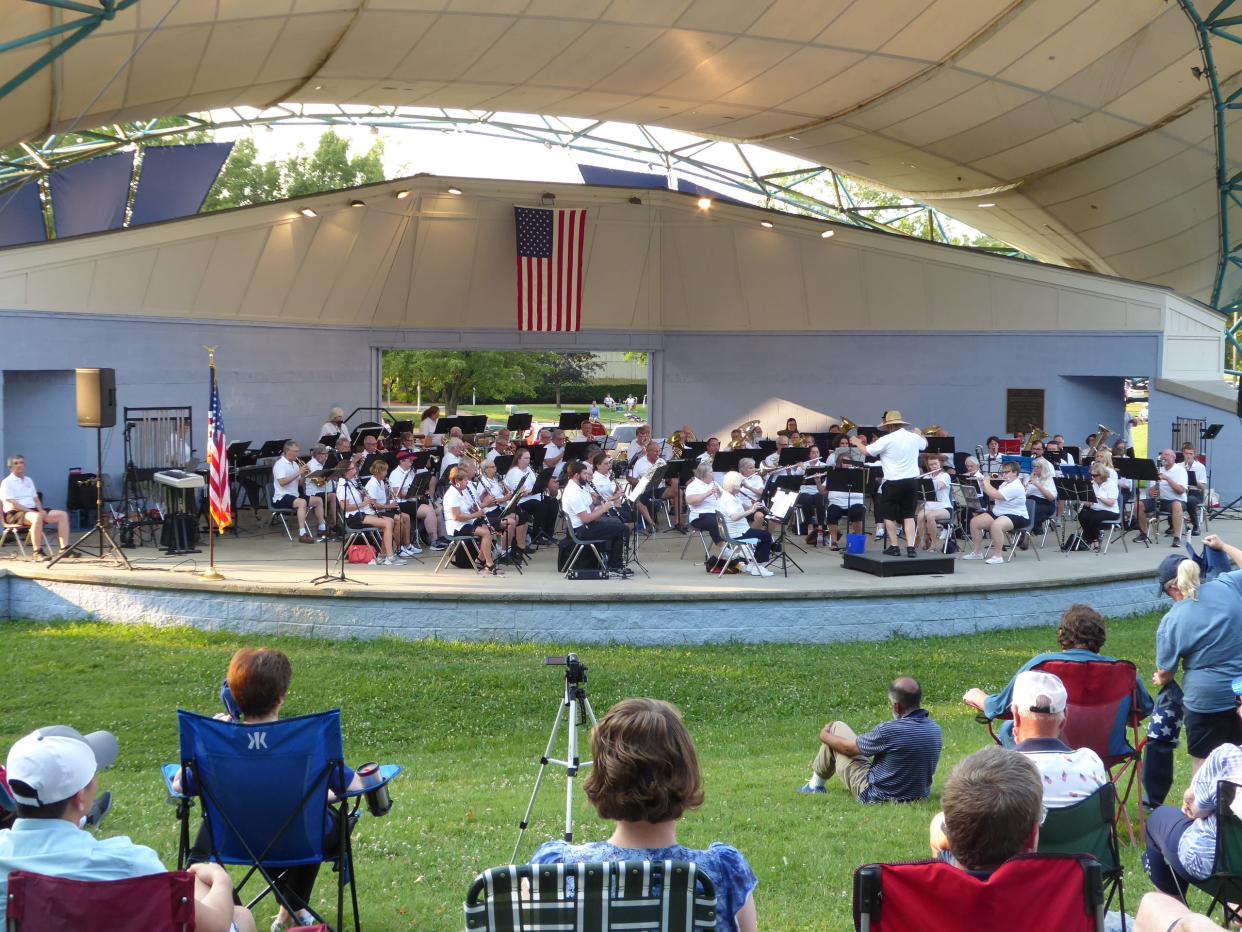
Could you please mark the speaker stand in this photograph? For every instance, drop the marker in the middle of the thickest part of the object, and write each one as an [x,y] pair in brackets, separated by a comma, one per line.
[97,536]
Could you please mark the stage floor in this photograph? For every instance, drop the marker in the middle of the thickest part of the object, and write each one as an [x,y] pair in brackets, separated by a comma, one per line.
[267,587]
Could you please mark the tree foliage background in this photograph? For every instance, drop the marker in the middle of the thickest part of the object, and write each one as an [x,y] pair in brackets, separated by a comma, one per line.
[450,377]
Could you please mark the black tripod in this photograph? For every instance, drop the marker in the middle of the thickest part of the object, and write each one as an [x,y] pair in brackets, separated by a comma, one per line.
[339,576]
[580,711]
[107,546]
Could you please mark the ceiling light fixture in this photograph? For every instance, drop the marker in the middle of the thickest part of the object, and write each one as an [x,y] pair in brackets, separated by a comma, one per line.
[357,203]
[455,191]
[704,203]
[988,204]
[636,199]
[827,234]
[766,224]
[401,195]
[547,199]
[308,212]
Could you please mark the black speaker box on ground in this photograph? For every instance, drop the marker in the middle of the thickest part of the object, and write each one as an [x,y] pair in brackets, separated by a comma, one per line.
[96,397]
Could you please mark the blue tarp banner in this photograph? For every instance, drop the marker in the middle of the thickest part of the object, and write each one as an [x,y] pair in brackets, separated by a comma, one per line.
[91,196]
[21,216]
[593,174]
[689,187]
[175,180]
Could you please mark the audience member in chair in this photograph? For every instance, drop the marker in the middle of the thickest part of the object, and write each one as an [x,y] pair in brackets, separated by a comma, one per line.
[1068,775]
[993,807]
[645,776]
[894,762]
[53,774]
[21,504]
[1181,843]
[259,679]
[1081,635]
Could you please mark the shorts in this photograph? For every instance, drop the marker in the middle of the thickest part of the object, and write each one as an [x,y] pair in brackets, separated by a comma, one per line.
[355,522]
[1206,731]
[285,501]
[899,499]
[855,513]
[1164,506]
[467,530]
[1020,522]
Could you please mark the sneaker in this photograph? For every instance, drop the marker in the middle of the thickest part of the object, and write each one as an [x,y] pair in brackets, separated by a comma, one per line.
[305,538]
[1194,532]
[754,570]
[812,789]
[764,571]
[1142,539]
[392,561]
[879,533]
[972,556]
[623,573]
[892,551]
[441,544]
[995,560]
[912,552]
[414,551]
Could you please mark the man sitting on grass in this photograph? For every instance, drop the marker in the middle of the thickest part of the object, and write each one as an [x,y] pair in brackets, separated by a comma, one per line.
[993,807]
[894,762]
[53,774]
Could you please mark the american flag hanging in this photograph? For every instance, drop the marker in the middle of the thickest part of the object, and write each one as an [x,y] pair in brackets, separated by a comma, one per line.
[220,499]
[549,268]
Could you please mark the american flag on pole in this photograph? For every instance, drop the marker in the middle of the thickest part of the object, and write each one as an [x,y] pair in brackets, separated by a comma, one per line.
[220,500]
[549,268]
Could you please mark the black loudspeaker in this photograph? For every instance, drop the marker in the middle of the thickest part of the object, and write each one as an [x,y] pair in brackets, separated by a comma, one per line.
[1240,398]
[96,397]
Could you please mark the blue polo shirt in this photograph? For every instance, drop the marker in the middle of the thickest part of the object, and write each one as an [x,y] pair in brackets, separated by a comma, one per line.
[58,848]
[904,753]
[1206,637]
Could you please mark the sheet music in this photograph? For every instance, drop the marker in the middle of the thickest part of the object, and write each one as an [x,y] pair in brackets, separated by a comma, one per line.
[782,501]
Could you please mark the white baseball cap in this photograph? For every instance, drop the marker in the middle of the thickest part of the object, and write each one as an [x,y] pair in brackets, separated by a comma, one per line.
[1034,691]
[51,764]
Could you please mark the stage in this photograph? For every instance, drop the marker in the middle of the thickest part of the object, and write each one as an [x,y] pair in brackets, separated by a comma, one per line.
[266,590]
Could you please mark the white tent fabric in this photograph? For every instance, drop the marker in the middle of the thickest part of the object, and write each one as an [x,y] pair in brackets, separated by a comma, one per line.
[1079,119]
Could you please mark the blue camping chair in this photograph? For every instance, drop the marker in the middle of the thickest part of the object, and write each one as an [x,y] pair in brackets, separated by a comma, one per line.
[264,793]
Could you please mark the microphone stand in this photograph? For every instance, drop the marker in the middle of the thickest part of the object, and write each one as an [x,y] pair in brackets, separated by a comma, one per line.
[328,575]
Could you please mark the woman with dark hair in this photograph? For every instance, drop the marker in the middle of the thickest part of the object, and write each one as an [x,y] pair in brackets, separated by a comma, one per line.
[1081,636]
[644,777]
[427,422]
[258,680]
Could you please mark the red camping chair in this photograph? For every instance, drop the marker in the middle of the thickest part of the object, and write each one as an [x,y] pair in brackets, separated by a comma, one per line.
[154,903]
[1103,714]
[1028,893]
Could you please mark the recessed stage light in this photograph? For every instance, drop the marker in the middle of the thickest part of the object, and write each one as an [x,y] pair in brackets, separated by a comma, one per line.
[456,191]
[705,203]
[357,203]
[988,204]
[827,234]
[401,195]
[308,212]
[766,224]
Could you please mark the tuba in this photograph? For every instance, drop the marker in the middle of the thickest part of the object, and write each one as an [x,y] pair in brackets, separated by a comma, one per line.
[1037,435]
[1102,435]
[847,425]
[747,430]
[678,445]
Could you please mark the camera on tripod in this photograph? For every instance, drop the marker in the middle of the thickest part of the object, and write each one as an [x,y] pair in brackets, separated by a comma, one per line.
[575,670]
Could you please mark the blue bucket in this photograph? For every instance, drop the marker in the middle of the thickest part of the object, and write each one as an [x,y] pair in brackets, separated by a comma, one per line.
[855,543]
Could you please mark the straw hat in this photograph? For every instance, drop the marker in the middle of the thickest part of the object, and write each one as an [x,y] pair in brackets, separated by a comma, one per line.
[893,419]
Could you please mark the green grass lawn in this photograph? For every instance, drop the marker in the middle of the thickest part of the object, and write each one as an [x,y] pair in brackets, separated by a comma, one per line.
[468,723]
[540,413]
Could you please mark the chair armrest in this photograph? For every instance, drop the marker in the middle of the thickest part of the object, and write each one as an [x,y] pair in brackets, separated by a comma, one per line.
[388,773]
[170,772]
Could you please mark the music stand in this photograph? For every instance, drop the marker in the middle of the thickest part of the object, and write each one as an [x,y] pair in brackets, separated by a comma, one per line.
[272,448]
[789,501]
[572,420]
[472,423]
[327,575]
[941,444]
[576,450]
[792,456]
[519,423]
[730,460]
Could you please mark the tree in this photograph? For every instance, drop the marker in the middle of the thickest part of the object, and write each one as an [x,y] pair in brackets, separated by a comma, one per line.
[563,370]
[246,180]
[450,375]
[635,357]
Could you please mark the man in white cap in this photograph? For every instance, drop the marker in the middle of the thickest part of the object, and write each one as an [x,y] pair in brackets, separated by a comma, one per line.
[53,776]
[898,451]
[1068,775]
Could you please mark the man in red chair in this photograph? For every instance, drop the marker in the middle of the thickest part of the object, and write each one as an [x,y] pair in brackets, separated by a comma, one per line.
[53,776]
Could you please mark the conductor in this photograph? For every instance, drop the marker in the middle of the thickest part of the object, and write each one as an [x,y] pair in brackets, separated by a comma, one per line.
[899,452]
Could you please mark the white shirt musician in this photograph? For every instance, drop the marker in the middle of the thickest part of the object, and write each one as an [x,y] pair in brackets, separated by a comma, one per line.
[736,513]
[1167,495]
[554,454]
[992,461]
[287,474]
[19,500]
[642,466]
[1008,514]
[1106,506]
[773,460]
[356,507]
[592,522]
[335,425]
[898,452]
[702,495]
[464,516]
[1196,485]
[935,511]
[454,450]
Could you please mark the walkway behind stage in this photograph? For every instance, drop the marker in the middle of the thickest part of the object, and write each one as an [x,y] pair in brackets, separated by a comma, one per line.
[267,591]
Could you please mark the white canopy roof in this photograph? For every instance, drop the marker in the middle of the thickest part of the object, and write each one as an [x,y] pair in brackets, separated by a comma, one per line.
[1079,119]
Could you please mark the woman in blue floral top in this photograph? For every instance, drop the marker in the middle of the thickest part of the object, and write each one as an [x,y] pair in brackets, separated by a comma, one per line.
[645,775]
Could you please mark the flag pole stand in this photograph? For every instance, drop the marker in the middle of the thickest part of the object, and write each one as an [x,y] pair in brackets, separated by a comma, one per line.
[211,574]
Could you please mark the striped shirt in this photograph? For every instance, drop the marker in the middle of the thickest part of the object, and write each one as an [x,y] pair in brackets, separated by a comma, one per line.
[904,754]
[1197,848]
